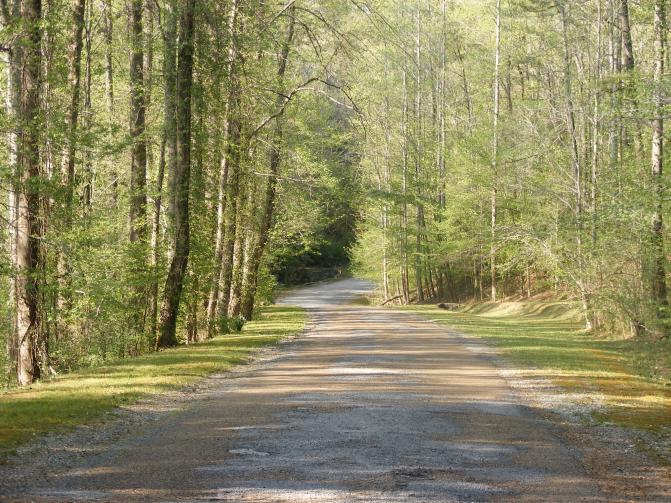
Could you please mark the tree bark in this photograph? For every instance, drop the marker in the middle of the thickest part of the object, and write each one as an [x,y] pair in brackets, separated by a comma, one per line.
[442,108]
[628,65]
[627,44]
[108,31]
[32,343]
[148,72]
[74,82]
[242,235]
[658,276]
[250,279]
[138,170]
[577,176]
[466,88]
[495,150]
[174,282]
[89,175]
[615,91]
[596,129]
[231,138]
[170,110]
[404,209]
[67,175]
[8,13]
[418,154]
[232,208]
[155,231]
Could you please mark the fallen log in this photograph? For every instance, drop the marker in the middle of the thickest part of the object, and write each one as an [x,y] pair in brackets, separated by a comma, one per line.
[391,299]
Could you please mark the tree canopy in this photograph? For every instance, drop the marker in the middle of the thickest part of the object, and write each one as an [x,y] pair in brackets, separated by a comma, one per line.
[164,164]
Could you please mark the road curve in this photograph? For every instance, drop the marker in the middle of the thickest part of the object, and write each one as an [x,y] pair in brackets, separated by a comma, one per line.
[370,406]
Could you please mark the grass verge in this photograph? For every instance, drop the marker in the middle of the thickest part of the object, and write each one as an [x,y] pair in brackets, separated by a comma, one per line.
[548,341]
[83,396]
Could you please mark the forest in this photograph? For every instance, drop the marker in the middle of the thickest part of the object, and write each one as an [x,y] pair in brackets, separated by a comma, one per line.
[165,164]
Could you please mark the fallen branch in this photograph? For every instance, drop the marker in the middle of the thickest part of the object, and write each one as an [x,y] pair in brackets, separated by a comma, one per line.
[392,299]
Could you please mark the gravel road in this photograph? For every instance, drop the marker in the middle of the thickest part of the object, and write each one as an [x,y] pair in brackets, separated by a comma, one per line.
[370,406]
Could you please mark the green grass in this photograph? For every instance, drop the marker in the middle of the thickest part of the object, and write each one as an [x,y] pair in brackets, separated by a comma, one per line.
[83,396]
[548,340]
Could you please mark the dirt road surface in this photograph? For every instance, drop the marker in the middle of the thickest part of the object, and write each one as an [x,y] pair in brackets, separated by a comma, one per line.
[369,406]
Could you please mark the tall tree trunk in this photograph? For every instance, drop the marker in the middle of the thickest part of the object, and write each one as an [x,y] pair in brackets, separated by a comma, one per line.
[167,151]
[383,185]
[387,177]
[495,150]
[67,175]
[108,31]
[466,88]
[174,282]
[418,154]
[628,65]
[658,276]
[615,90]
[32,344]
[232,208]
[245,208]
[87,112]
[231,139]
[169,111]
[8,13]
[596,128]
[138,170]
[442,107]
[74,82]
[577,176]
[249,280]
[148,72]
[625,29]
[155,236]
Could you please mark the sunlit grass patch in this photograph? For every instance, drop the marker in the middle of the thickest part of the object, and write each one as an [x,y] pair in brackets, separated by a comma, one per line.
[83,396]
[361,300]
[549,341]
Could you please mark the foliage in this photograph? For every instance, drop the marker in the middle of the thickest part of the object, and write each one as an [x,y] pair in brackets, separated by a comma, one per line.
[577,223]
[320,135]
[100,289]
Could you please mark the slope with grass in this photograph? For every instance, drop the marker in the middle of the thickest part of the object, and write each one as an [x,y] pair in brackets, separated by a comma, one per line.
[83,396]
[628,375]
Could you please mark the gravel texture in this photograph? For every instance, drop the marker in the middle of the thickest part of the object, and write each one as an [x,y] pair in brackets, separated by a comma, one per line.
[371,405]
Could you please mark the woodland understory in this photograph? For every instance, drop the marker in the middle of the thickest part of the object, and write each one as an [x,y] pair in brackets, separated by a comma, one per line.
[165,163]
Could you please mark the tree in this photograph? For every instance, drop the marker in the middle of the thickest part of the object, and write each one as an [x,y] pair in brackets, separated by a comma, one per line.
[9,15]
[227,170]
[74,81]
[138,168]
[289,139]
[658,276]
[31,336]
[69,152]
[258,244]
[495,148]
[172,291]
[108,31]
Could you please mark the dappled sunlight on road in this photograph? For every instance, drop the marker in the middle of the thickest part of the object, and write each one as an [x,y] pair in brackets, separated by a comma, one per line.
[373,405]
